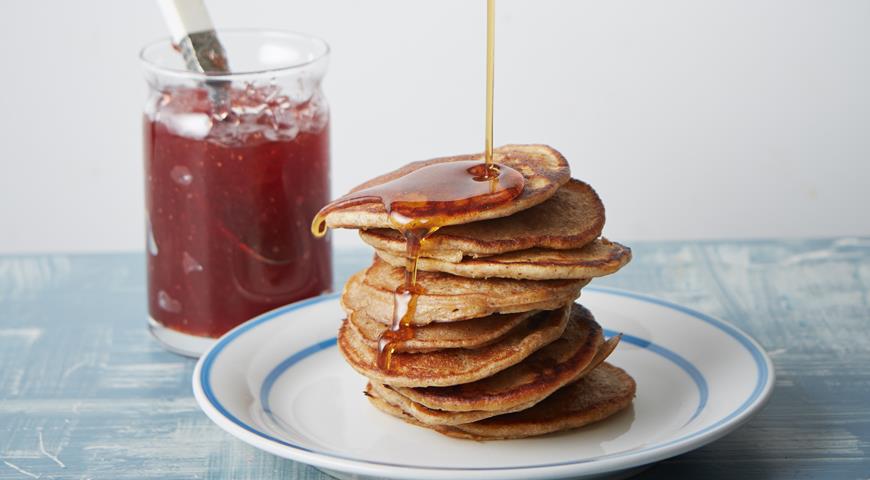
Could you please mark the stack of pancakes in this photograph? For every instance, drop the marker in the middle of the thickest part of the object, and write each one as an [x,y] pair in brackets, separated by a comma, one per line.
[500,349]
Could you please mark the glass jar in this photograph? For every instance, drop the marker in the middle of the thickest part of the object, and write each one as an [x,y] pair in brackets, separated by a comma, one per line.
[236,166]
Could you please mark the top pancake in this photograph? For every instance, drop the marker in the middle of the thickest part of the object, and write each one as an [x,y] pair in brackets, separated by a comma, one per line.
[544,170]
[572,218]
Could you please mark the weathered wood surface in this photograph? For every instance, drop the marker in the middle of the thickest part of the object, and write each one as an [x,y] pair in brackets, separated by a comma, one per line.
[86,393]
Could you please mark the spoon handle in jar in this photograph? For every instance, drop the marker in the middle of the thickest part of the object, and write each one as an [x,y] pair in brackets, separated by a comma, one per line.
[192,31]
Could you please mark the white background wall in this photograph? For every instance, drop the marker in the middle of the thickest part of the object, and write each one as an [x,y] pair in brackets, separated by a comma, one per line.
[692,118]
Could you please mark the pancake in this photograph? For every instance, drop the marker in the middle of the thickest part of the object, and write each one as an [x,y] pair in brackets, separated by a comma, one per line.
[453,366]
[603,392]
[474,333]
[389,408]
[529,381]
[421,414]
[449,298]
[428,416]
[599,258]
[598,395]
[571,219]
[544,170]
[578,351]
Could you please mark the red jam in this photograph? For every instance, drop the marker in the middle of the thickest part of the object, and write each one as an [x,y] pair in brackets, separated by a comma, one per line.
[230,196]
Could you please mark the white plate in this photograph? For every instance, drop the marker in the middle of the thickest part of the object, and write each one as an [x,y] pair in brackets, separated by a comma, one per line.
[279,383]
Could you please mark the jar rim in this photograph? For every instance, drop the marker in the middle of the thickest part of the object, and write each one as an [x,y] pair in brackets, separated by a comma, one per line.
[320,53]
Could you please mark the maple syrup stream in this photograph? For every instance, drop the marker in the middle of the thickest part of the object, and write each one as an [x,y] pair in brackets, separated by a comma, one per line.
[422,201]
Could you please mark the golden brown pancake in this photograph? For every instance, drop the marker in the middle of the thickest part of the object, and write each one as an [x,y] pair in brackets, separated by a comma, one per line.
[474,333]
[578,351]
[544,170]
[429,416]
[571,219]
[451,298]
[599,258]
[601,393]
[422,414]
[498,349]
[453,366]
[529,381]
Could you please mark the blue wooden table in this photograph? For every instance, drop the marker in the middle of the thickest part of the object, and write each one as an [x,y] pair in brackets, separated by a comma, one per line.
[85,393]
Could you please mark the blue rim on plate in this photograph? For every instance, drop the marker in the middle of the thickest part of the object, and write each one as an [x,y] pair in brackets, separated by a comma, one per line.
[673,357]
[761,390]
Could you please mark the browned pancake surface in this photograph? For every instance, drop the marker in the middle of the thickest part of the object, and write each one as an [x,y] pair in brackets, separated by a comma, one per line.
[430,416]
[449,298]
[529,381]
[599,258]
[544,170]
[453,366]
[571,219]
[473,333]
[603,392]
[598,395]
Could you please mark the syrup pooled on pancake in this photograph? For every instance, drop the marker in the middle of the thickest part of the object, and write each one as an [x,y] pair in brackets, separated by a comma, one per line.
[418,204]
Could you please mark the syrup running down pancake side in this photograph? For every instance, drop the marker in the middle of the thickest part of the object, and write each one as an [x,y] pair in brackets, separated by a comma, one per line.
[418,204]
[434,196]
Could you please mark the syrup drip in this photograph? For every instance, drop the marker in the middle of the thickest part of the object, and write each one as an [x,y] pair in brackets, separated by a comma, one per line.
[418,204]
[404,300]
[428,198]
[434,196]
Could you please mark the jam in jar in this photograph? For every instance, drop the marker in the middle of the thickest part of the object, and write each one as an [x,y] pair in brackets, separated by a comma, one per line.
[235,171]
